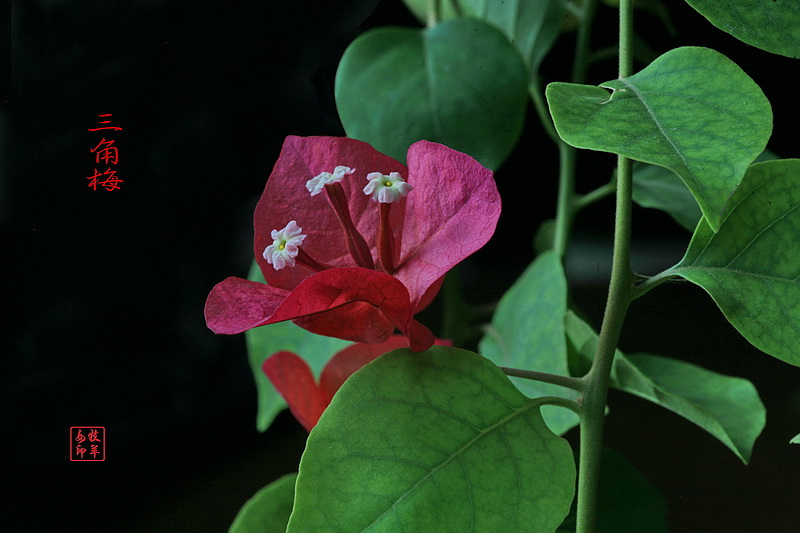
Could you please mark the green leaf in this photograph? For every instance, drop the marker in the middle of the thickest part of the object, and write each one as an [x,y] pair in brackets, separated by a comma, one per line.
[692,110]
[751,266]
[531,25]
[772,25]
[627,502]
[432,441]
[727,407]
[660,188]
[268,510]
[795,439]
[460,83]
[527,331]
[266,340]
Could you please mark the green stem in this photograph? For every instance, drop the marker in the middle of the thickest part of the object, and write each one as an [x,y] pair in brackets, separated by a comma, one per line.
[620,294]
[560,402]
[596,195]
[565,208]
[652,282]
[537,96]
[544,377]
[434,12]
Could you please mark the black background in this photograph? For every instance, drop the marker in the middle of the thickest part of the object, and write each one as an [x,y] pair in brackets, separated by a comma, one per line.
[103,291]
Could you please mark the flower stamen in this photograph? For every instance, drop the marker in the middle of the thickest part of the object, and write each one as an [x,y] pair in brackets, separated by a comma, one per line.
[285,249]
[315,184]
[386,189]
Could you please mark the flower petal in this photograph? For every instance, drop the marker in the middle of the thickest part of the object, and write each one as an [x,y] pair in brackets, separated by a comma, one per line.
[292,378]
[451,213]
[323,302]
[236,305]
[286,197]
[337,287]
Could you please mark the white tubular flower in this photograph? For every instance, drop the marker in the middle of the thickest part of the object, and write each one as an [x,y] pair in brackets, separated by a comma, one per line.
[285,246]
[315,184]
[386,189]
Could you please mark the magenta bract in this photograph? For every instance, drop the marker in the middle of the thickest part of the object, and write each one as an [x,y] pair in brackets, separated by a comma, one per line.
[375,265]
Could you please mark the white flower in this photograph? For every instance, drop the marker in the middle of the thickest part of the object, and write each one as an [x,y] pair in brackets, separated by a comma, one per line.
[315,184]
[386,189]
[285,246]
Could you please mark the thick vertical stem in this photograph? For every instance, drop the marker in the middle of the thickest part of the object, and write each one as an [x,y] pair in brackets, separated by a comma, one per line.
[620,293]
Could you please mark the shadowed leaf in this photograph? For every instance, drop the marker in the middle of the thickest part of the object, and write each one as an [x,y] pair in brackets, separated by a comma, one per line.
[527,331]
[727,407]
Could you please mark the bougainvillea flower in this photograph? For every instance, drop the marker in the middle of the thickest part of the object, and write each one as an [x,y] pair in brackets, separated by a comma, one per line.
[353,244]
[307,399]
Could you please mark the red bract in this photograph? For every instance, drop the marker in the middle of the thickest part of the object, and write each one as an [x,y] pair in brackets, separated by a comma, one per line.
[292,377]
[368,249]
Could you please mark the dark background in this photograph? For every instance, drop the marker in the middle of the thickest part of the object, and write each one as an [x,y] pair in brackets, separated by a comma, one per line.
[103,291]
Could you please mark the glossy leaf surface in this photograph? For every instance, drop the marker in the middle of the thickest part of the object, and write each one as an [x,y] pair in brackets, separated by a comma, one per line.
[268,510]
[433,441]
[527,331]
[692,110]
[772,25]
[727,407]
[751,266]
[460,83]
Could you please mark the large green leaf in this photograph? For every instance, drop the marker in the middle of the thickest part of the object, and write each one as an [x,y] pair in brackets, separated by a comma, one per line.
[729,408]
[627,502]
[434,441]
[266,340]
[460,83]
[531,25]
[772,25]
[268,510]
[751,266]
[692,110]
[527,331]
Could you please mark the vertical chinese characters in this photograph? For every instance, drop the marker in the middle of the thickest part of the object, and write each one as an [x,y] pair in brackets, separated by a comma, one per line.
[87,443]
[105,154]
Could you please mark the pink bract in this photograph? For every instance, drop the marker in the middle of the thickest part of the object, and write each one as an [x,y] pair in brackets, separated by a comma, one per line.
[451,212]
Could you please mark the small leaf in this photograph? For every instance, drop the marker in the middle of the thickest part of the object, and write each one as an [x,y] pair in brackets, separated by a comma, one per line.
[433,441]
[692,110]
[795,439]
[751,266]
[267,340]
[772,25]
[460,83]
[527,331]
[727,407]
[660,188]
[268,510]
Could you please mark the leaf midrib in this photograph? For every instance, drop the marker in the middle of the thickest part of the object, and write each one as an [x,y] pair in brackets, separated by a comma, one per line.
[455,455]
